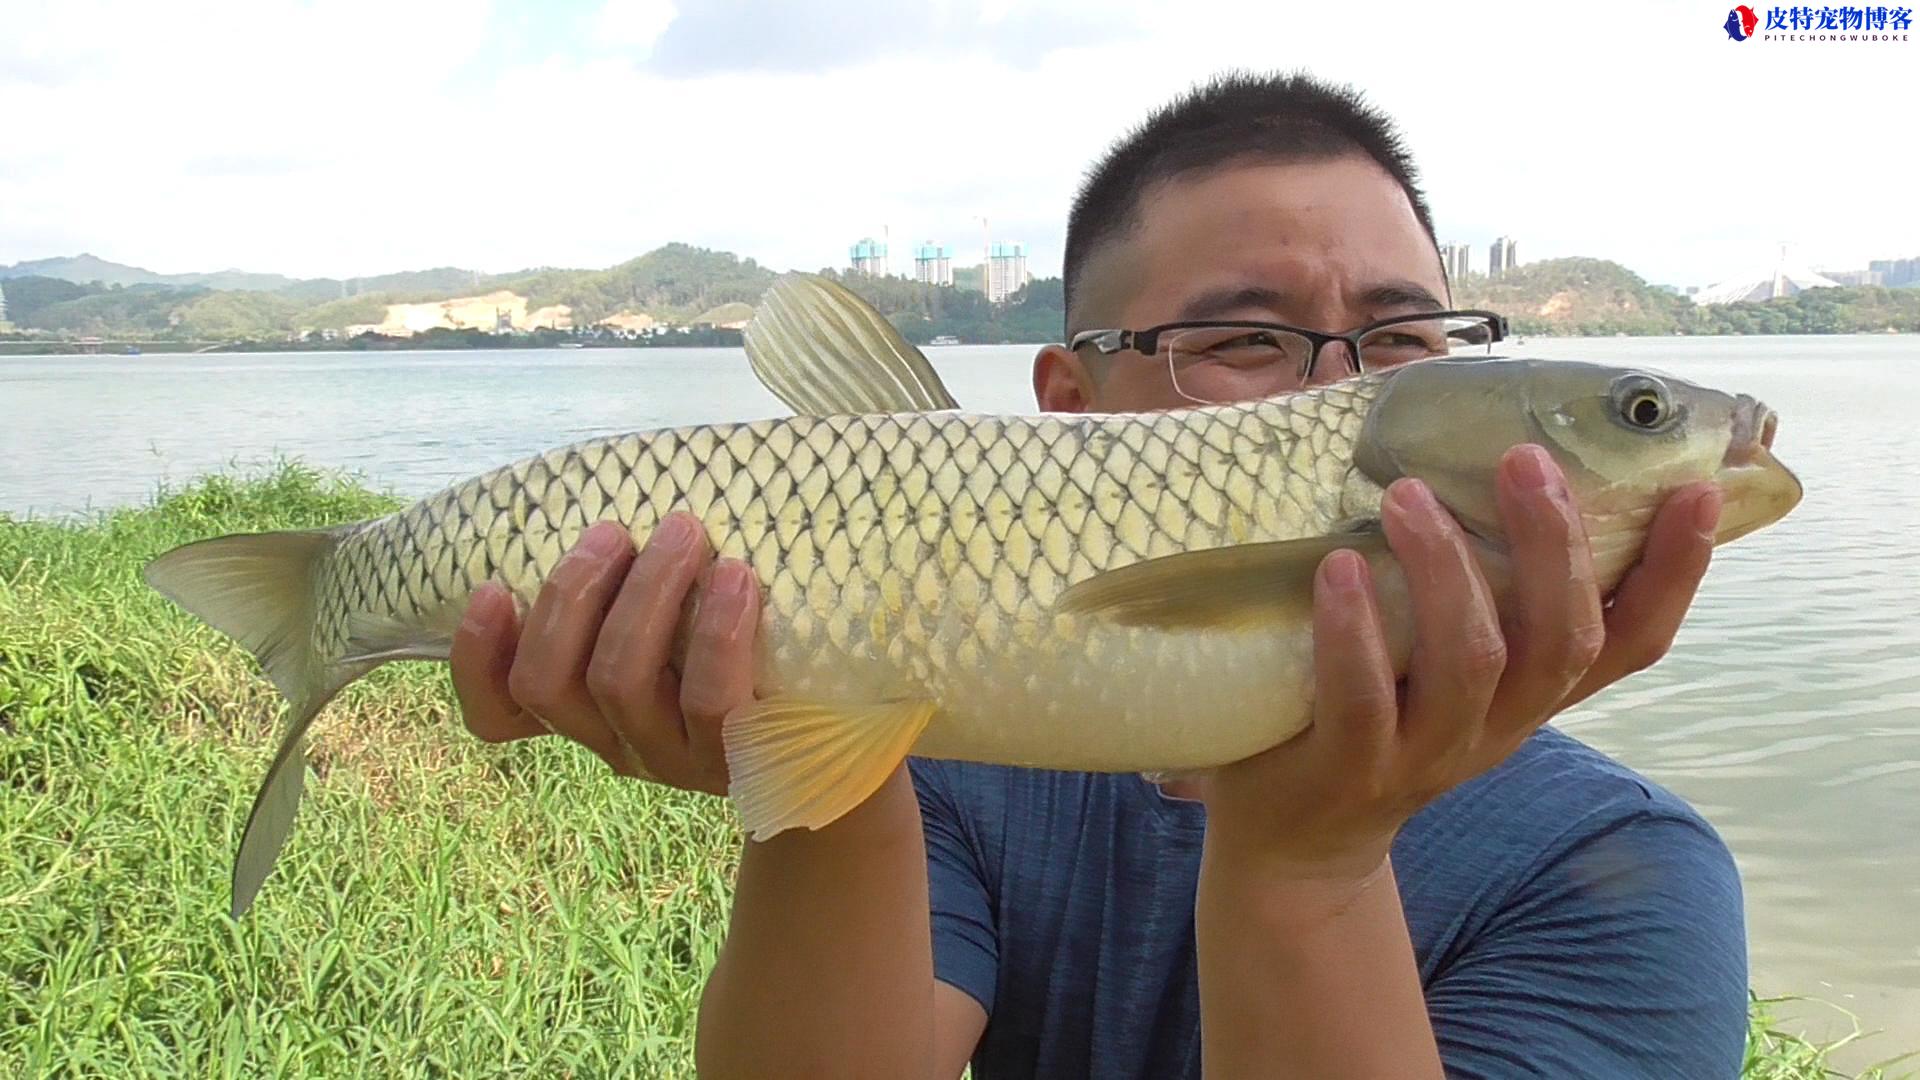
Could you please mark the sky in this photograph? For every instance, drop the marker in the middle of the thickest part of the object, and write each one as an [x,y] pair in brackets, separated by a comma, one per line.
[354,137]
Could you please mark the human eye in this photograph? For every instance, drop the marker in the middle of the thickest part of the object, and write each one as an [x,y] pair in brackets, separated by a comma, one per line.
[1401,343]
[1233,346]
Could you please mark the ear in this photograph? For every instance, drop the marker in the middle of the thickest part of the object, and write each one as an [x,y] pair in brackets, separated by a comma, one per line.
[1061,382]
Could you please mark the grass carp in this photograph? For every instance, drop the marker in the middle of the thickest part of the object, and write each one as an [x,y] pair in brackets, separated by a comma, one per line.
[1119,592]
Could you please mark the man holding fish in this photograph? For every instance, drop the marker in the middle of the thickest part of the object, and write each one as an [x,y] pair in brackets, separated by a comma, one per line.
[1426,880]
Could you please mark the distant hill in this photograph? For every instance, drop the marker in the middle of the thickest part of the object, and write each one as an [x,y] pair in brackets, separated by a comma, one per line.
[674,285]
[84,269]
[1594,297]
[681,285]
[1574,296]
[413,284]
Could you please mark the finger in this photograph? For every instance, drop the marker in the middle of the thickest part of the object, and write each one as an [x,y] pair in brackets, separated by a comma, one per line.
[1458,651]
[556,642]
[628,675]
[482,654]
[1654,597]
[719,668]
[1356,711]
[1554,627]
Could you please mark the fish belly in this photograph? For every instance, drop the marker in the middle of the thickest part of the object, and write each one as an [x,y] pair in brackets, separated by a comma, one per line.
[917,557]
[1102,698]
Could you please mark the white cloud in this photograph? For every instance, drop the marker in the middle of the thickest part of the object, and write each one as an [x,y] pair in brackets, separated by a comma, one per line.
[634,25]
[360,136]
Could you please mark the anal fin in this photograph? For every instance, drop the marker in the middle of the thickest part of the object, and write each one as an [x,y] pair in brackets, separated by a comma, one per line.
[803,764]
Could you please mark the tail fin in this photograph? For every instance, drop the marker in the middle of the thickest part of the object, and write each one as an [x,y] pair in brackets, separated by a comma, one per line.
[259,590]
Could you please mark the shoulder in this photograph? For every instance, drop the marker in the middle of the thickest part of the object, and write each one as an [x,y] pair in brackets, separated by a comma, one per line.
[1610,899]
[1554,793]
[1560,818]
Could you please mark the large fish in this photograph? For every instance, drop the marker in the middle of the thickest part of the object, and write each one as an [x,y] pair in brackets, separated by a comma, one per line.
[1126,592]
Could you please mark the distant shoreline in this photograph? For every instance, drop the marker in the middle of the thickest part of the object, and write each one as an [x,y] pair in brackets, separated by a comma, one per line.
[516,343]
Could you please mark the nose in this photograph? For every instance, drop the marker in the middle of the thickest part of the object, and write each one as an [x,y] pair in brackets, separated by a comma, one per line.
[1334,362]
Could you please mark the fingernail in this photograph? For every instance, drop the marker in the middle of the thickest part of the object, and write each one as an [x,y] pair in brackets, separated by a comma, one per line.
[1415,497]
[1706,513]
[675,534]
[603,542]
[1533,467]
[731,590]
[1341,571]
[483,600]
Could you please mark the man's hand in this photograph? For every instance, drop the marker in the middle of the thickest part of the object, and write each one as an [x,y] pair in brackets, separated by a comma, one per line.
[1326,805]
[593,659]
[1304,953]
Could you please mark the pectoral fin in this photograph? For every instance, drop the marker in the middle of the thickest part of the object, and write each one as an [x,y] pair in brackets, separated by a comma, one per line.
[800,764]
[1224,588]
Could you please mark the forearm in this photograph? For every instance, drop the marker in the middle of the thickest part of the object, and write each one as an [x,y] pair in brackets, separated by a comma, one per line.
[1307,978]
[828,963]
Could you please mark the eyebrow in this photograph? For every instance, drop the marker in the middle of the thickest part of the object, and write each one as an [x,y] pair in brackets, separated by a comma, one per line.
[1216,303]
[1401,294]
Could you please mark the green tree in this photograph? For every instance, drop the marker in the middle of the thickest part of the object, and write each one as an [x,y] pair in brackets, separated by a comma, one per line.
[234,316]
[28,296]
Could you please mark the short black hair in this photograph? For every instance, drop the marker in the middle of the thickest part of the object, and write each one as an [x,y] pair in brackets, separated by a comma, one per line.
[1234,117]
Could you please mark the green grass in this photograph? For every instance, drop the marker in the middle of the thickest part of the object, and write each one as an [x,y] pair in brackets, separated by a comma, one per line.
[1774,1053]
[444,909]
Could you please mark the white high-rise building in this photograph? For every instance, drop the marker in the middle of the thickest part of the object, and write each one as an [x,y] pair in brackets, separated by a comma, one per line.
[1006,270]
[869,257]
[1503,257]
[933,264]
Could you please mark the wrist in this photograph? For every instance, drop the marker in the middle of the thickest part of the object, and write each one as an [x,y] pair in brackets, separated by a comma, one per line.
[1303,879]
[886,820]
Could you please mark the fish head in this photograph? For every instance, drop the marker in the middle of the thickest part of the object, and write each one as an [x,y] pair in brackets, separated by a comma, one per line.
[1626,438]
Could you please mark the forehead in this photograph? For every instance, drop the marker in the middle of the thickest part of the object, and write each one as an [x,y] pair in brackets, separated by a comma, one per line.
[1319,232]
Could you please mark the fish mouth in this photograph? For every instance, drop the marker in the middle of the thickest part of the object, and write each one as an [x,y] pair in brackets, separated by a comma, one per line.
[1756,489]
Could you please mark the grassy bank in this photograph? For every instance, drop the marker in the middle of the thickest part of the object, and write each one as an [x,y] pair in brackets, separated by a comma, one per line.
[445,908]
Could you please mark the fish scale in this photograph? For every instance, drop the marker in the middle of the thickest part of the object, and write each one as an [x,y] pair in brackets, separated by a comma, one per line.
[899,555]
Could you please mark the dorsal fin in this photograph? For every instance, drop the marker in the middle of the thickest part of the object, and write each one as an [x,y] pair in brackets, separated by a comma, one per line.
[823,350]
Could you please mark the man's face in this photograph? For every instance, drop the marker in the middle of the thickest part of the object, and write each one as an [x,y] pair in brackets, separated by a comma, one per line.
[1328,245]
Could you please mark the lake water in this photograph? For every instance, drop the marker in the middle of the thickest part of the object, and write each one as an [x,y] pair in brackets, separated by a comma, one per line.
[1788,711]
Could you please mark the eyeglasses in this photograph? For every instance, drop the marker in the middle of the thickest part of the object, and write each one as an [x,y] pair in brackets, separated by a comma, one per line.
[1218,362]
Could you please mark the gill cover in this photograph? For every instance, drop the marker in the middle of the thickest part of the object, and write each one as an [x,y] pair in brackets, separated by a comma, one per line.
[1623,437]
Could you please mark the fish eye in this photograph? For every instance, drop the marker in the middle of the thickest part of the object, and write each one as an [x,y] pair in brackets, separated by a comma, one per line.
[1642,402]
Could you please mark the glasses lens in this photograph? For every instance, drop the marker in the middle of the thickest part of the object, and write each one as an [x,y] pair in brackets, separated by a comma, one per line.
[1424,339]
[1221,364]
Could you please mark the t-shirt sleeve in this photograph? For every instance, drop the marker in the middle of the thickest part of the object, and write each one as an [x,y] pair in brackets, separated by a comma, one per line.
[966,950]
[1624,956]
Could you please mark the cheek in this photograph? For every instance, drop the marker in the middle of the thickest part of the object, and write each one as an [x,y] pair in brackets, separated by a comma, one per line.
[1137,387]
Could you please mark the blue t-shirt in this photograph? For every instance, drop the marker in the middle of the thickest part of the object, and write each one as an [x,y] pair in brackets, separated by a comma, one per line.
[1570,919]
